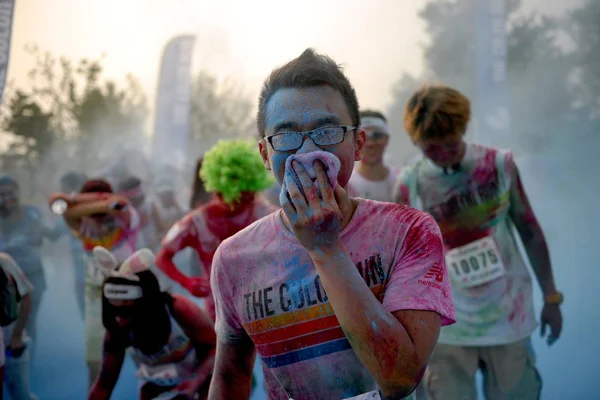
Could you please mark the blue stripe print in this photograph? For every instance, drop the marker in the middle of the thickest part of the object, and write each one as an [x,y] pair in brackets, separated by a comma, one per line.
[308,353]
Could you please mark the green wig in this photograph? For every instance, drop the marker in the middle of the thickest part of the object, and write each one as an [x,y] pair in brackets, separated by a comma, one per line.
[233,167]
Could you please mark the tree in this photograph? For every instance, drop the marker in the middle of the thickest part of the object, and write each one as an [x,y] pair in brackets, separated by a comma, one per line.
[219,110]
[538,68]
[584,28]
[69,117]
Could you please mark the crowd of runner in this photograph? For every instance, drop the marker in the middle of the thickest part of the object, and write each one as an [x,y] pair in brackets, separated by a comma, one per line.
[349,278]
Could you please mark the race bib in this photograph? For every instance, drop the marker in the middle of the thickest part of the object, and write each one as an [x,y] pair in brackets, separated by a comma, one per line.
[476,263]
[161,375]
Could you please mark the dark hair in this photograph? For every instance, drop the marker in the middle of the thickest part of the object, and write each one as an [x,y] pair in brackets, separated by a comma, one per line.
[151,326]
[8,180]
[373,114]
[309,70]
[199,194]
[129,183]
[96,186]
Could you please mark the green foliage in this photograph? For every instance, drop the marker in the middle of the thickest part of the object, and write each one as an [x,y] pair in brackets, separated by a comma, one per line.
[233,167]
[540,68]
[583,26]
[67,111]
[219,110]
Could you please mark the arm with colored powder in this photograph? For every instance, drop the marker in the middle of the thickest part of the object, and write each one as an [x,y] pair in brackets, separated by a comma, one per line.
[199,328]
[114,355]
[531,234]
[232,376]
[86,204]
[183,234]
[394,346]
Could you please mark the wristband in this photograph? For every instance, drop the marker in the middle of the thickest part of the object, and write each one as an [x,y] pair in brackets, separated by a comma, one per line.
[556,298]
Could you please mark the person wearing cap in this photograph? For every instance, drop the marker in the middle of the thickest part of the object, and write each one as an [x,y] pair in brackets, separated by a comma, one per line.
[170,339]
[372,178]
[235,173]
[98,217]
[476,195]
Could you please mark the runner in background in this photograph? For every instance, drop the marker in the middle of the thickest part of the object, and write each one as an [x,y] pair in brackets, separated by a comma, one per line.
[15,354]
[235,173]
[133,189]
[371,178]
[99,218]
[71,182]
[476,195]
[22,234]
[171,341]
[165,206]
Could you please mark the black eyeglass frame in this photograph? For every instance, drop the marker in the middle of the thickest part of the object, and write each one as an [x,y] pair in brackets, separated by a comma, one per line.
[345,128]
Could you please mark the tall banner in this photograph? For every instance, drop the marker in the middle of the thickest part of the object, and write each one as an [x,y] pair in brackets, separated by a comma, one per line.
[172,113]
[7,8]
[491,109]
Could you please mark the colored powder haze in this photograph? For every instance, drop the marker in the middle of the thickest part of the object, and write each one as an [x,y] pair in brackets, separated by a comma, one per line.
[245,40]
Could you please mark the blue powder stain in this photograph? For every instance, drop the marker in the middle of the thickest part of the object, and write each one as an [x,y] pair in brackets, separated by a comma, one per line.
[373,325]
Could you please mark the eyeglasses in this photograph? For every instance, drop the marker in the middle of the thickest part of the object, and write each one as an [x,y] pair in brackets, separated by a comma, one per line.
[377,135]
[325,136]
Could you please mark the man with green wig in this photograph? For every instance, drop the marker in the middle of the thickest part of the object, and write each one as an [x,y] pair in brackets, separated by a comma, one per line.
[234,171]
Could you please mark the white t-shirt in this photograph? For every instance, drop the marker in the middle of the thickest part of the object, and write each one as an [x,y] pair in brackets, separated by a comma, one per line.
[10,268]
[360,186]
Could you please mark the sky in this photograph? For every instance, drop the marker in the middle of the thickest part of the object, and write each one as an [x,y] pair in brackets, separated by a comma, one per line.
[375,40]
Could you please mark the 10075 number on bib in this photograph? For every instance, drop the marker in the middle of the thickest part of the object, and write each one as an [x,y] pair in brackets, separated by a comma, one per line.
[476,263]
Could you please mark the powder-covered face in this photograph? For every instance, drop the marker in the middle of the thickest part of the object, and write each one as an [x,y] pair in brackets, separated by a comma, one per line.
[305,109]
[444,154]
[375,145]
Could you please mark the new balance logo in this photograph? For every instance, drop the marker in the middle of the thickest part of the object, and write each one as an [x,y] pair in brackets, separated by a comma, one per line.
[435,272]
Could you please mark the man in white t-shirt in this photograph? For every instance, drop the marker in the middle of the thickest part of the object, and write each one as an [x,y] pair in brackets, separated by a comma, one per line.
[371,178]
[14,354]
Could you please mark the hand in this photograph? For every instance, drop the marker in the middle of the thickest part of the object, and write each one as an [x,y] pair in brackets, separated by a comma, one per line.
[198,286]
[16,342]
[315,220]
[551,317]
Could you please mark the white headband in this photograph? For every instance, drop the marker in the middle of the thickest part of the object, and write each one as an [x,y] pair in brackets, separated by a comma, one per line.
[122,292]
[374,122]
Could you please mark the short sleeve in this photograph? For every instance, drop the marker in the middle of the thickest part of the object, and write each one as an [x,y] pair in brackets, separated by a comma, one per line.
[227,324]
[419,279]
[11,268]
